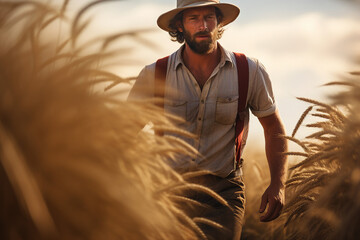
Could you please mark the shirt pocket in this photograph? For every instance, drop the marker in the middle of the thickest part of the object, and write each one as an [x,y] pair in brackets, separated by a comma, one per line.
[226,110]
[176,108]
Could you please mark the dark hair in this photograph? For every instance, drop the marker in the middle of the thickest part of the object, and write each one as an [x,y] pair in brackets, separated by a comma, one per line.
[176,35]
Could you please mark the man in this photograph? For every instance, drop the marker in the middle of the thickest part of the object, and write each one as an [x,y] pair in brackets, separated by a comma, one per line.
[205,78]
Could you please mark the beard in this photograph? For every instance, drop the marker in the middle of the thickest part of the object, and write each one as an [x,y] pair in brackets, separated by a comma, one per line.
[203,46]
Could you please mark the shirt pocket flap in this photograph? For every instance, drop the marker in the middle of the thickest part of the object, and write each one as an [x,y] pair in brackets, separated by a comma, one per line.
[226,110]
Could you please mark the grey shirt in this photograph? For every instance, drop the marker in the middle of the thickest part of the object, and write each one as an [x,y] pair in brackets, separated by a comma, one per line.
[209,113]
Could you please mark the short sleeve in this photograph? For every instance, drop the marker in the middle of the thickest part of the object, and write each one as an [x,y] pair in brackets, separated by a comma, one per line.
[143,87]
[261,99]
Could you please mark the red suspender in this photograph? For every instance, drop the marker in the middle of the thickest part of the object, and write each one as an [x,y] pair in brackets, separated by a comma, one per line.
[160,78]
[159,88]
[243,83]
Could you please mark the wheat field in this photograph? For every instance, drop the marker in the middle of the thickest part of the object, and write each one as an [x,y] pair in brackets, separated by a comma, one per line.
[74,163]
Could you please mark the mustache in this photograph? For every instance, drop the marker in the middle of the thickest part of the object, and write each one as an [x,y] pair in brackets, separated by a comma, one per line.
[202,33]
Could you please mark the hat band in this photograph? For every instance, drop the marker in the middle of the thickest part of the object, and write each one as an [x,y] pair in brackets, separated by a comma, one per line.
[181,4]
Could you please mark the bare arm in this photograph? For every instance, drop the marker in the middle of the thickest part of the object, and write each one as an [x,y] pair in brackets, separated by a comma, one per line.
[275,146]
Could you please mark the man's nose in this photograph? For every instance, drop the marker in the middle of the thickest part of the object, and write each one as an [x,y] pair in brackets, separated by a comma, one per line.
[203,25]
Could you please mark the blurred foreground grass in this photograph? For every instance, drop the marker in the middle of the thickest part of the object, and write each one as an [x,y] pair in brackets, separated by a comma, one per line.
[73,162]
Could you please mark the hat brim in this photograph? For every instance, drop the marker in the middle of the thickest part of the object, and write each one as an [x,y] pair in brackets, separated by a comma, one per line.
[229,11]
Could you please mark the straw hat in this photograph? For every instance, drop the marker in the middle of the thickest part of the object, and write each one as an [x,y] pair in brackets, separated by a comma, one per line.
[229,11]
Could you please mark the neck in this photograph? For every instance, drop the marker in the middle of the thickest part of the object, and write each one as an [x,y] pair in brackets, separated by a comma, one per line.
[195,60]
[201,65]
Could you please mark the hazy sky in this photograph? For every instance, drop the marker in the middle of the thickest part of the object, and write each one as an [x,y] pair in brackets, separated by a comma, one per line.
[303,44]
[255,9]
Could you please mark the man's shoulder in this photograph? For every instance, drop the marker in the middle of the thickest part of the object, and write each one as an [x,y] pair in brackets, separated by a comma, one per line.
[252,61]
[254,64]
[150,67]
[171,57]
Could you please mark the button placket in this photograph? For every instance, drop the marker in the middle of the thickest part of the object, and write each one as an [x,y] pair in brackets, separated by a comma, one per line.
[200,117]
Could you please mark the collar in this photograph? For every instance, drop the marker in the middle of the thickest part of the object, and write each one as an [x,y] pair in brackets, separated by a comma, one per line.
[225,57]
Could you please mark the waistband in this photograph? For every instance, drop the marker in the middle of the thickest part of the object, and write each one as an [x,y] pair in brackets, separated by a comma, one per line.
[236,173]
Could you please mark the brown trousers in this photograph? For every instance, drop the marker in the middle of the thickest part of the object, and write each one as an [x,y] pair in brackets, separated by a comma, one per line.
[232,189]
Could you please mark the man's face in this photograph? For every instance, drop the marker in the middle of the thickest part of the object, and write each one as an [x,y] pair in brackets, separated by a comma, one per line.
[200,29]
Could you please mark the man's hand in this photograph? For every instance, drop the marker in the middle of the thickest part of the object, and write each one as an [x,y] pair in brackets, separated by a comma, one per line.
[274,199]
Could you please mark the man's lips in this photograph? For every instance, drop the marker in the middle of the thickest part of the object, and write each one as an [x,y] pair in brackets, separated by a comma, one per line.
[203,36]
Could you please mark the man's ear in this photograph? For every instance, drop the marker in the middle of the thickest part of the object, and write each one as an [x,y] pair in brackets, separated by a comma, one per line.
[179,26]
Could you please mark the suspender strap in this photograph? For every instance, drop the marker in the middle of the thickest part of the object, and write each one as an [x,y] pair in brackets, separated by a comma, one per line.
[243,83]
[160,78]
[159,88]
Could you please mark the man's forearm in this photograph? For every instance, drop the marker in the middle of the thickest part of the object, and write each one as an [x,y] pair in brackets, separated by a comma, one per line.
[275,146]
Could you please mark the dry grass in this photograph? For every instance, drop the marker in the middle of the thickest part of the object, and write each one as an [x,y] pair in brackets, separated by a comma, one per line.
[323,189]
[73,164]
[325,201]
